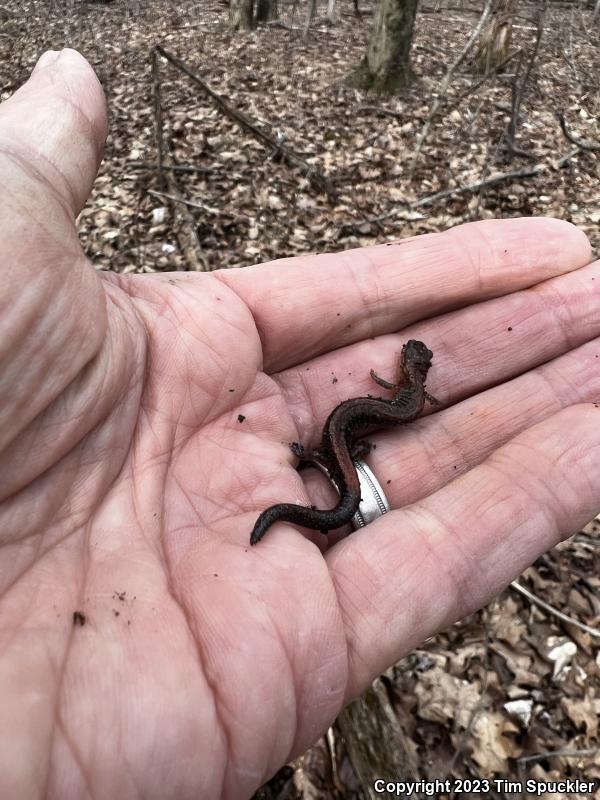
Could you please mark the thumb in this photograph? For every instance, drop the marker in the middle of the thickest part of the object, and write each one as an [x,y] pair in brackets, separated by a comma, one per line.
[56,123]
[52,304]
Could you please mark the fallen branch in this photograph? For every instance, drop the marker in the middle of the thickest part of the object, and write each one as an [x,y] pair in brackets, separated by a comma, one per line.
[216,212]
[187,234]
[583,144]
[158,126]
[566,753]
[554,611]
[567,157]
[289,156]
[189,203]
[152,166]
[501,177]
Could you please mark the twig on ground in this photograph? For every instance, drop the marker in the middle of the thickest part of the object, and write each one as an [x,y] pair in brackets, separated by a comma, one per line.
[153,166]
[590,751]
[187,234]
[570,64]
[177,199]
[289,156]
[432,198]
[472,187]
[555,611]
[567,157]
[582,144]
[216,212]
[523,761]
[158,127]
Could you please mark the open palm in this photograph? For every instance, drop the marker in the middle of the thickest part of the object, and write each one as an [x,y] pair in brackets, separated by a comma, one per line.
[146,650]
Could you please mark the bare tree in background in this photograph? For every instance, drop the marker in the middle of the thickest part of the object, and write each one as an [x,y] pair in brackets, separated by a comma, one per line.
[266,11]
[495,39]
[240,14]
[310,15]
[386,67]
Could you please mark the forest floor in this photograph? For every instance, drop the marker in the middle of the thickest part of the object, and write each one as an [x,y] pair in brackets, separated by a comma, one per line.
[513,691]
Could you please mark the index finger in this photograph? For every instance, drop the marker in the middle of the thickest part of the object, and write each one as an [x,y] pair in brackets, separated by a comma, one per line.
[308,305]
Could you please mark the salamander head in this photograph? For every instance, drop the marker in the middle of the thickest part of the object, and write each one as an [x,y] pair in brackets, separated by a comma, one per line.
[417,355]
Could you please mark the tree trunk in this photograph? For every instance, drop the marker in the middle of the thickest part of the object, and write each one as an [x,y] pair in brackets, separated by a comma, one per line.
[331,12]
[266,10]
[496,37]
[240,15]
[376,739]
[310,15]
[386,67]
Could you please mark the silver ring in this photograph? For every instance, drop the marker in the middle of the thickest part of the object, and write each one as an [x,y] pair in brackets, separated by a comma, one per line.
[373,502]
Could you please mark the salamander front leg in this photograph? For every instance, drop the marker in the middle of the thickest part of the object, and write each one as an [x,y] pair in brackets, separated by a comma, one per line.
[382,382]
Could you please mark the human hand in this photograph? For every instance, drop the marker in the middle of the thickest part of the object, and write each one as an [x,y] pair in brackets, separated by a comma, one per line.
[144,423]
